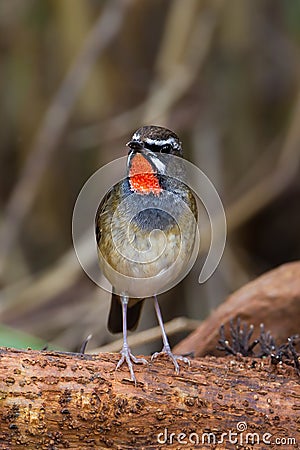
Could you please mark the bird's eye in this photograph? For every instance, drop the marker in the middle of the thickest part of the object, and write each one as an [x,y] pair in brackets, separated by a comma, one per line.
[166,148]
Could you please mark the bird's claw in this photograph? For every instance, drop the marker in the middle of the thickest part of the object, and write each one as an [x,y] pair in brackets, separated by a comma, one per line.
[174,358]
[128,357]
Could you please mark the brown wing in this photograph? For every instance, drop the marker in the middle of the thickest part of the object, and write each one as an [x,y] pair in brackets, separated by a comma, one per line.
[101,208]
[193,204]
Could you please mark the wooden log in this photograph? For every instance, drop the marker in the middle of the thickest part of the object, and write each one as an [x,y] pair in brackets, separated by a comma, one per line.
[51,400]
[272,299]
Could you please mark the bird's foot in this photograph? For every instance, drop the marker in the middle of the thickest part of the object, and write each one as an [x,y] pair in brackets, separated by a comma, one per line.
[174,358]
[129,358]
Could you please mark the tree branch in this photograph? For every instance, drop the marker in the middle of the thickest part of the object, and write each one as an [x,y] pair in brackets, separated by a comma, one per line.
[64,400]
[272,299]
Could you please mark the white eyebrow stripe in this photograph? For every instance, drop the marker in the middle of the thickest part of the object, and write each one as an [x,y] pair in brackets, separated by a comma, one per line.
[136,137]
[162,142]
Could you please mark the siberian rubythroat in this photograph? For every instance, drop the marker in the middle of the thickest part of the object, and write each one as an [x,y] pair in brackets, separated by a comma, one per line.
[146,231]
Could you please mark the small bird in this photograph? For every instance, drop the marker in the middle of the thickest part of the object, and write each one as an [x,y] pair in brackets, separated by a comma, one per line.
[139,236]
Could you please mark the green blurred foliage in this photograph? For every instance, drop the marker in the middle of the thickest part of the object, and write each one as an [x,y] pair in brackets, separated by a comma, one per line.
[10,337]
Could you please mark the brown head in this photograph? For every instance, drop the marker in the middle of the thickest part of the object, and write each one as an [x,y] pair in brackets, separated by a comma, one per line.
[147,158]
[156,139]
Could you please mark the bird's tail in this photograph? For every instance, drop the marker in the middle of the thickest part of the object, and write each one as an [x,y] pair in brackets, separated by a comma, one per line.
[115,322]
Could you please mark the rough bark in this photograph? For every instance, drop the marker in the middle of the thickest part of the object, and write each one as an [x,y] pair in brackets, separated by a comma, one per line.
[60,400]
[272,299]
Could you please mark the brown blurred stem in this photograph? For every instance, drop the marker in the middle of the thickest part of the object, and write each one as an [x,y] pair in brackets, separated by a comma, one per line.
[56,118]
[144,337]
[276,177]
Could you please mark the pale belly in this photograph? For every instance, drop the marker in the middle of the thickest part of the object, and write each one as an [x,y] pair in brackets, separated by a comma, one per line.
[143,264]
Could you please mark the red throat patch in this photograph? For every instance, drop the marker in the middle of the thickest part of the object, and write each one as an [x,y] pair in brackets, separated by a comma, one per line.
[142,177]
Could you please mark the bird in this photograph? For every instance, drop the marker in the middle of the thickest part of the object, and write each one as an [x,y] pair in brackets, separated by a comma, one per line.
[139,241]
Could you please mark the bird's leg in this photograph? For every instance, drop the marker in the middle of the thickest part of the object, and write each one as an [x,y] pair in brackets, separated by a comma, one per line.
[166,350]
[125,352]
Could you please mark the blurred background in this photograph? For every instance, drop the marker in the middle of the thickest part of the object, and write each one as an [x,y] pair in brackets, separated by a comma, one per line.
[77,79]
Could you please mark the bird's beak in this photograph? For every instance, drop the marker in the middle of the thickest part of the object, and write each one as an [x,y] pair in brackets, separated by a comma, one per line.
[135,145]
